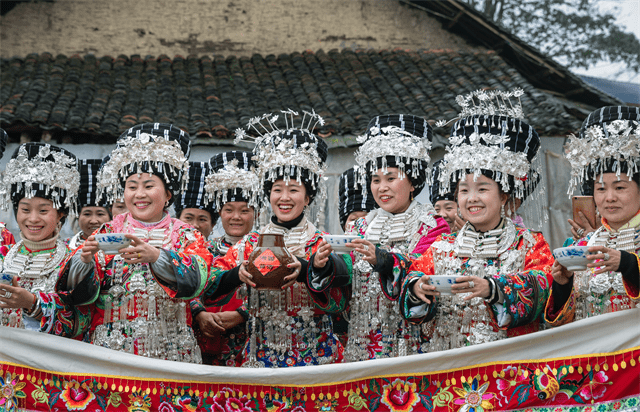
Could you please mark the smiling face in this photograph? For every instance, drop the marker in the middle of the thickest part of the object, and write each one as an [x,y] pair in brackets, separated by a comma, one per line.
[617,200]
[390,192]
[288,199]
[448,210]
[91,218]
[145,197]
[236,218]
[480,202]
[37,219]
[198,218]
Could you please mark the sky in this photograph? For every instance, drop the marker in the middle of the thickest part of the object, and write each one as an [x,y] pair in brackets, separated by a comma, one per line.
[628,16]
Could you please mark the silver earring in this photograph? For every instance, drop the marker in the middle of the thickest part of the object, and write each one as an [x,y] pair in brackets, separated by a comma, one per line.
[502,211]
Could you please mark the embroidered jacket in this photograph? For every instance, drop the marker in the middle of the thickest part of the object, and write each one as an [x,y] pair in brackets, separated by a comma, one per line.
[376,328]
[138,311]
[227,348]
[519,262]
[61,302]
[285,329]
[6,239]
[591,294]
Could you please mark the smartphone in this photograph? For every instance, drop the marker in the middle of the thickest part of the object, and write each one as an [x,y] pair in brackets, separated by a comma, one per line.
[587,206]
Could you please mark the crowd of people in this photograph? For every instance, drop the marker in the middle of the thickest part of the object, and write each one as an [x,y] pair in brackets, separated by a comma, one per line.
[177,294]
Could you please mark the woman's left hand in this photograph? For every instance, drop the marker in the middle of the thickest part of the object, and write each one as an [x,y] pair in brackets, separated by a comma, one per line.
[366,249]
[608,259]
[289,280]
[139,251]
[15,297]
[321,257]
[478,287]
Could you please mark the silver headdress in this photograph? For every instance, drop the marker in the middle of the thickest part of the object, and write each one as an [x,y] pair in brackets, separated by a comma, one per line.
[156,148]
[489,136]
[41,170]
[291,152]
[609,141]
[232,178]
[397,140]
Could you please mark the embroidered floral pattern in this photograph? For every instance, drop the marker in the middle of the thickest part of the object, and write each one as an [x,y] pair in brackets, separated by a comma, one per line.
[11,391]
[473,397]
[76,397]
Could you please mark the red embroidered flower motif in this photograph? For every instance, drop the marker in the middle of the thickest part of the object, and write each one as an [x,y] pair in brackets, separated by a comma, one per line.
[76,397]
[186,260]
[374,346]
[596,387]
[231,404]
[399,396]
[512,377]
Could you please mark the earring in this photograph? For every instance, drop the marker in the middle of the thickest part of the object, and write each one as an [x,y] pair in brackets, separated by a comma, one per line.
[502,211]
[166,204]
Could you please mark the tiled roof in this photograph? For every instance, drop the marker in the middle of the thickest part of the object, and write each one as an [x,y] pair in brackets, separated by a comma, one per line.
[210,97]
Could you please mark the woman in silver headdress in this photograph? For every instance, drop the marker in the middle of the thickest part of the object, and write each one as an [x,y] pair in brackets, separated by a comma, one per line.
[502,272]
[229,190]
[606,158]
[41,183]
[394,165]
[285,328]
[92,212]
[142,307]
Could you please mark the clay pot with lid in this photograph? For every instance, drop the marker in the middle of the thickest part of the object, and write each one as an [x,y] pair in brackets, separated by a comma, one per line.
[268,262]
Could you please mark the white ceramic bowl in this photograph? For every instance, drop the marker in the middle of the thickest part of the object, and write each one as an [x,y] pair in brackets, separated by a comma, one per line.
[110,243]
[572,257]
[443,283]
[6,278]
[338,242]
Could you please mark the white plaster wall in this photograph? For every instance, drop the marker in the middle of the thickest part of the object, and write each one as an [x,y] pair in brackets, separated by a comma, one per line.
[227,27]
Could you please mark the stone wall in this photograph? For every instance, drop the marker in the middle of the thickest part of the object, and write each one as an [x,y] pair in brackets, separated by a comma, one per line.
[229,27]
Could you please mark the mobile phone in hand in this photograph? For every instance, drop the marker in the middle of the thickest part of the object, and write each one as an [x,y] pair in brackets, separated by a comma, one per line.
[587,206]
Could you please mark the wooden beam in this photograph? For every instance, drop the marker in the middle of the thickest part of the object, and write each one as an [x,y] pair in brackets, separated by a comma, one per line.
[455,19]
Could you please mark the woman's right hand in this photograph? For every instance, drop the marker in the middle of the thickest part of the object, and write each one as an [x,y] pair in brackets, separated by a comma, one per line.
[458,223]
[244,274]
[209,323]
[560,273]
[581,228]
[89,248]
[423,290]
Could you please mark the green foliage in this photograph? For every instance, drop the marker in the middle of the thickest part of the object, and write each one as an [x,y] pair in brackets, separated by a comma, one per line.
[574,32]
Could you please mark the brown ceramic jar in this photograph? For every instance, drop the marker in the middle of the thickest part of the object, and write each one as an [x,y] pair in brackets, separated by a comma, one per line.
[268,262]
